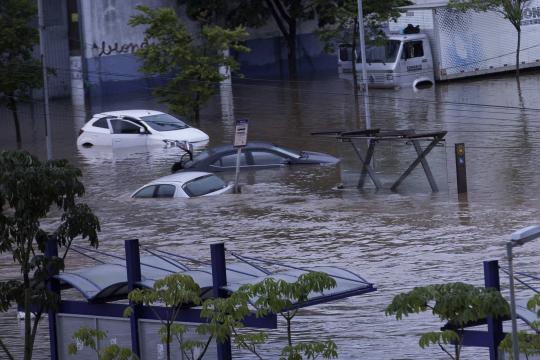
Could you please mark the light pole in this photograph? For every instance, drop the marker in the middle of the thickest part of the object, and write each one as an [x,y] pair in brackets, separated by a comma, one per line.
[519,238]
[364,63]
[45,83]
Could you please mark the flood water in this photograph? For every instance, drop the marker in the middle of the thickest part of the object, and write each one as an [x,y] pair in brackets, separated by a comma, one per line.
[395,240]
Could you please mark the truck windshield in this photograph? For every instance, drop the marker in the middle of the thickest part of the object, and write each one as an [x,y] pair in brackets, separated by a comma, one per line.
[386,53]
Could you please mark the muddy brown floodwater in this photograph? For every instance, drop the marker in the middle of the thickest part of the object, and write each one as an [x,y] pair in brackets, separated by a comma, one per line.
[395,240]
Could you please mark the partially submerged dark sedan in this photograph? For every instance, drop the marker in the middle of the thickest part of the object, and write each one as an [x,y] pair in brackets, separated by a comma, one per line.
[255,155]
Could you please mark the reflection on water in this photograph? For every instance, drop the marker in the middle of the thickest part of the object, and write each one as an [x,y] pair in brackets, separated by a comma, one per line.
[396,240]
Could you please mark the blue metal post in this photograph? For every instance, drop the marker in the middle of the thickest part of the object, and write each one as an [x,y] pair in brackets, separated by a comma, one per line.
[495,326]
[133,268]
[53,285]
[219,279]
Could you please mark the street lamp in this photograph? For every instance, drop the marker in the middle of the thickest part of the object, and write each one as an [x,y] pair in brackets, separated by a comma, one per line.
[519,238]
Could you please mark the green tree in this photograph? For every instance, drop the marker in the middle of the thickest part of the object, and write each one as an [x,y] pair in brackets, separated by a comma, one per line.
[175,292]
[90,338]
[512,10]
[20,72]
[455,303]
[279,296]
[288,14]
[529,343]
[29,191]
[225,316]
[192,62]
[343,27]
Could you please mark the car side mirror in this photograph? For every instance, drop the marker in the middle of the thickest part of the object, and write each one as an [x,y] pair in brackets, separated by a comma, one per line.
[142,131]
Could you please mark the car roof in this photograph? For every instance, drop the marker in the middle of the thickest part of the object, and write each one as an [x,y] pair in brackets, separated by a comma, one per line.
[180,177]
[249,145]
[132,113]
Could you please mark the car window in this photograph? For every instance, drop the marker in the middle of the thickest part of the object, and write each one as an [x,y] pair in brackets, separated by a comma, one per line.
[413,49]
[164,122]
[267,158]
[124,127]
[101,123]
[146,192]
[165,191]
[230,160]
[203,185]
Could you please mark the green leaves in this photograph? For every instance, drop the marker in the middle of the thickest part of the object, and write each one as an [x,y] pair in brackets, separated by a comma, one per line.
[192,61]
[87,337]
[327,349]
[456,303]
[29,190]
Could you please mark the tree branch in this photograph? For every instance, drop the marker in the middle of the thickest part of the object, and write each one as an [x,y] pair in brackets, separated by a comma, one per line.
[446,351]
[277,18]
[205,347]
[4,347]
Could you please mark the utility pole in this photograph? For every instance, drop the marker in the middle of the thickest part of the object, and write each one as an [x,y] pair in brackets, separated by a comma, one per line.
[364,63]
[45,84]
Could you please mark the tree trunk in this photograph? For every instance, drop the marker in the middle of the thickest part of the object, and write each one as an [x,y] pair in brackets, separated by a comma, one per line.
[169,341]
[517,51]
[27,320]
[353,52]
[289,333]
[291,47]
[12,105]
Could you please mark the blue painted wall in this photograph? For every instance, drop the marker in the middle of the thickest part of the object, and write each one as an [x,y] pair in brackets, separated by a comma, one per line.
[114,74]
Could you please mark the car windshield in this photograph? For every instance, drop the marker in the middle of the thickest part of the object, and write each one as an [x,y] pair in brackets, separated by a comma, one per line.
[204,185]
[386,53]
[164,122]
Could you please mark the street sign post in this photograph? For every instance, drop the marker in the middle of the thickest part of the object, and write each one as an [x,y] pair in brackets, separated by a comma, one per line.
[240,140]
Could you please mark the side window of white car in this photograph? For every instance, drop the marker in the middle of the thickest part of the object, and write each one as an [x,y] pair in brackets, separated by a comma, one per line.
[124,127]
[165,191]
[146,192]
[101,123]
[156,191]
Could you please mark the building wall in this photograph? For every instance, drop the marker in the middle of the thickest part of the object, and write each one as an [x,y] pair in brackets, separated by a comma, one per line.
[56,48]
[109,45]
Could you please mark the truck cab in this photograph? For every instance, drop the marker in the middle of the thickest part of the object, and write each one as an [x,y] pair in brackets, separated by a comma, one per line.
[404,60]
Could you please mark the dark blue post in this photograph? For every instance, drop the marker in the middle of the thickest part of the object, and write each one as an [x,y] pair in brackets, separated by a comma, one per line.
[495,326]
[133,268]
[53,285]
[219,279]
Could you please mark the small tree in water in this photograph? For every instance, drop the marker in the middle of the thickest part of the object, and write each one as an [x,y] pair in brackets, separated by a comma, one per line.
[29,190]
[192,62]
[455,303]
[512,10]
[20,72]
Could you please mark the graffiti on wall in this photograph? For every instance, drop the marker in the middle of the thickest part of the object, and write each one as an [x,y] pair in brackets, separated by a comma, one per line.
[112,49]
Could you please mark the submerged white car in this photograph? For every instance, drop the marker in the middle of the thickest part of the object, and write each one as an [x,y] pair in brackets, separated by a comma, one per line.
[138,128]
[184,185]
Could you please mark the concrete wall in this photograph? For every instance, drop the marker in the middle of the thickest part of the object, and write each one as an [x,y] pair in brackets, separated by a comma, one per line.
[110,43]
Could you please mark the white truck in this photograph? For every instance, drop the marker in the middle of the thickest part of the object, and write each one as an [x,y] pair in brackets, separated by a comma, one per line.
[451,45]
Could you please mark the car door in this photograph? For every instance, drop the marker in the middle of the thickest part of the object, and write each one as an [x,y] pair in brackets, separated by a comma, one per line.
[126,133]
[228,162]
[413,60]
[261,159]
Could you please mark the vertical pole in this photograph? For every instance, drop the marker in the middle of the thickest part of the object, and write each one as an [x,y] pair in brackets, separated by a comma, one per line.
[133,268]
[364,62]
[495,325]
[515,345]
[237,174]
[54,286]
[45,84]
[461,171]
[219,279]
